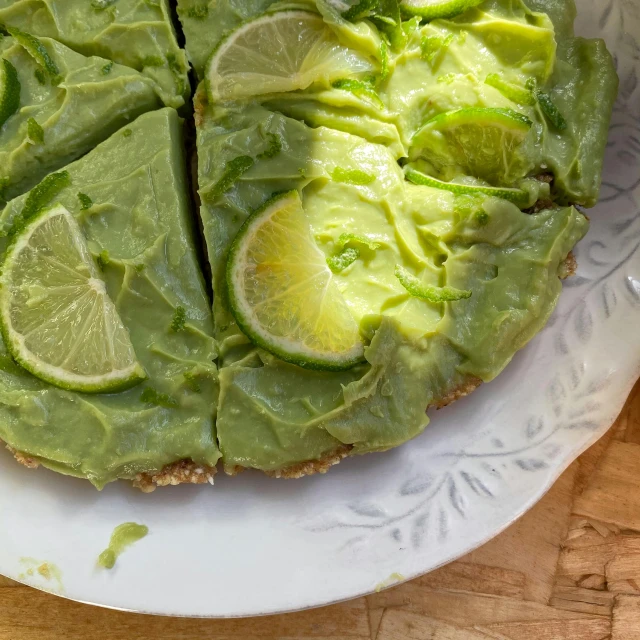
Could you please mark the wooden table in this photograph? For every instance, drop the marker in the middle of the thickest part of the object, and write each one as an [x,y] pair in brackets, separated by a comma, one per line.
[568,570]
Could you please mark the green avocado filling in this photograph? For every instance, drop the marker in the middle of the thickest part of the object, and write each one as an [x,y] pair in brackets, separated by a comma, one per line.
[429,238]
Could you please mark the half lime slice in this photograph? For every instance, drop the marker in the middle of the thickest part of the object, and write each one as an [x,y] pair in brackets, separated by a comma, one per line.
[277,53]
[282,293]
[517,196]
[433,9]
[57,320]
[481,142]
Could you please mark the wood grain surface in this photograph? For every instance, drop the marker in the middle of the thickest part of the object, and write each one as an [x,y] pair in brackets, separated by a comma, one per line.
[568,570]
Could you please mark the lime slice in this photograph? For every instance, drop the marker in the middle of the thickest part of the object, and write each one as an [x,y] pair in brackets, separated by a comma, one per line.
[482,142]
[277,53]
[282,293]
[432,9]
[517,196]
[9,91]
[57,320]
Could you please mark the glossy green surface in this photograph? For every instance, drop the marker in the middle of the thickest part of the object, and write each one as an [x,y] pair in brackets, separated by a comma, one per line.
[87,101]
[140,230]
[135,33]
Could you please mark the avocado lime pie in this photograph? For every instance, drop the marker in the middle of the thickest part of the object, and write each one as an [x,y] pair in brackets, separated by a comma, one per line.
[388,197]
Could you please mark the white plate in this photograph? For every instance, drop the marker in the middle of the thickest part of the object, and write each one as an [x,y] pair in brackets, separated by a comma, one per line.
[253,545]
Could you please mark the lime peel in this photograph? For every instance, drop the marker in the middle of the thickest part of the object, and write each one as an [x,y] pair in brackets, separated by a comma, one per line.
[10,98]
[233,171]
[356,177]
[418,289]
[342,260]
[433,9]
[517,196]
[513,92]
[551,112]
[36,50]
[346,238]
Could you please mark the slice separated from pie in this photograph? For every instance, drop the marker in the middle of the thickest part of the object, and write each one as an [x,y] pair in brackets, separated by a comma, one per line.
[135,33]
[104,307]
[59,105]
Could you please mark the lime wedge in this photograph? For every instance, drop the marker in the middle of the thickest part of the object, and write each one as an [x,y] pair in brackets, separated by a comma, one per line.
[517,196]
[57,320]
[277,53]
[482,142]
[433,9]
[9,91]
[282,293]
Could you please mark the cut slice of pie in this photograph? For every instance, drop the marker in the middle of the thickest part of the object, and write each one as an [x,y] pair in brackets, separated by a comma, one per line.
[136,33]
[67,104]
[129,197]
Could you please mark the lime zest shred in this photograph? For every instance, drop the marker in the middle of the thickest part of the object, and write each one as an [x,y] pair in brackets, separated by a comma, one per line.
[359,88]
[35,133]
[517,196]
[345,238]
[418,289]
[352,176]
[384,60]
[342,260]
[191,380]
[177,69]
[199,12]
[513,92]
[551,112]
[40,76]
[36,50]
[233,171]
[274,148]
[362,9]
[127,133]
[106,70]
[452,117]
[85,201]
[10,98]
[150,396]
[481,217]
[152,61]
[39,197]
[432,47]
[446,78]
[103,259]
[179,319]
